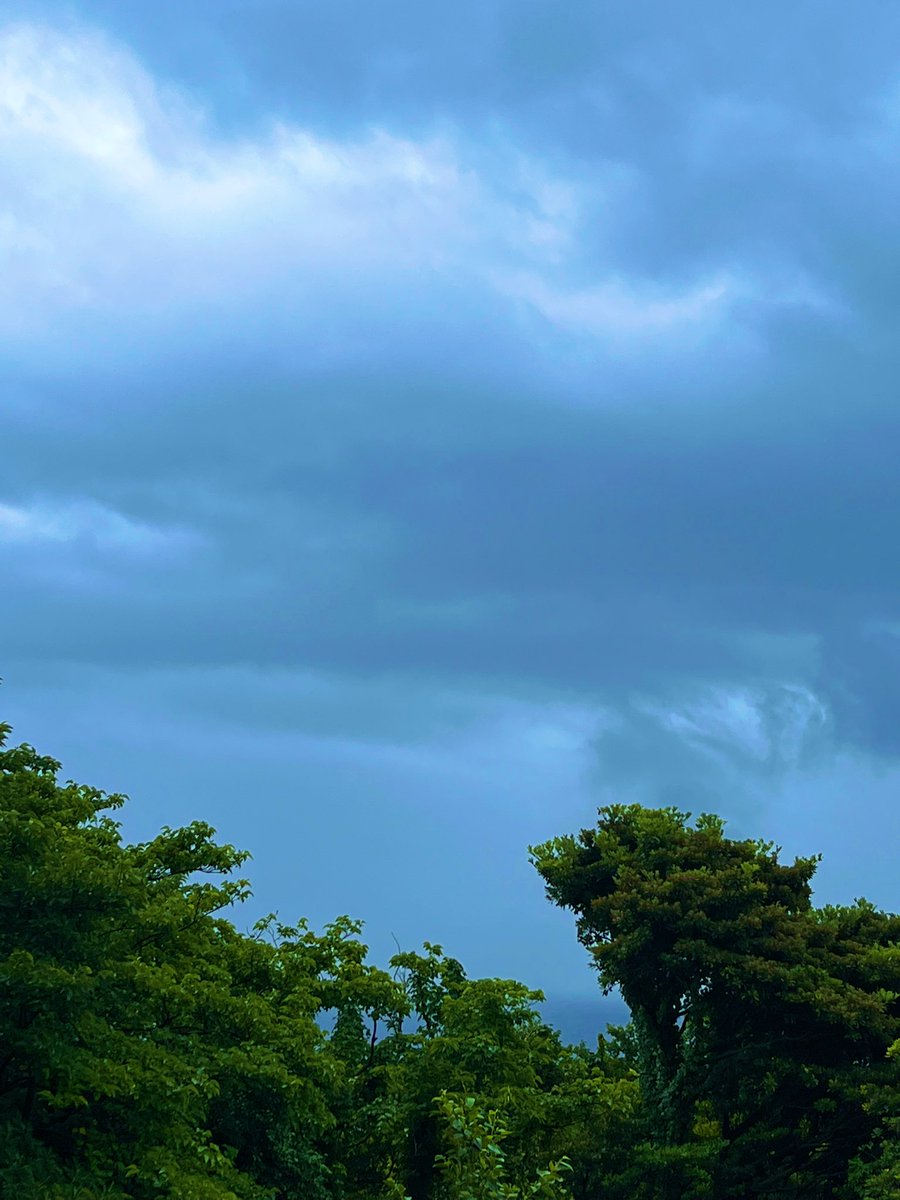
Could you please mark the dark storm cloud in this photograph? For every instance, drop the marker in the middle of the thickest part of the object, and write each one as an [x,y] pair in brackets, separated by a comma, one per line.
[567,545]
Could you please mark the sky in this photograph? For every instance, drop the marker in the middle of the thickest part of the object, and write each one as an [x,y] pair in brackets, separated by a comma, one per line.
[423,424]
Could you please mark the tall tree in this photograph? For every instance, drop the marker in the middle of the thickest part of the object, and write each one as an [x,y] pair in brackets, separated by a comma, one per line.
[139,1032]
[755,1014]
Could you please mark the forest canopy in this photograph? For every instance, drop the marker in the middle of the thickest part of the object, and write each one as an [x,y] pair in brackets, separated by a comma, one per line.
[148,1048]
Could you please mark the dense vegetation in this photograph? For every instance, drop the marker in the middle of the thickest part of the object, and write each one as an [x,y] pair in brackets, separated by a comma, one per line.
[149,1049]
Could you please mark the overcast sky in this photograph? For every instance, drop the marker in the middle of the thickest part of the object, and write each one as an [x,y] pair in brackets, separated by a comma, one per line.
[424,423]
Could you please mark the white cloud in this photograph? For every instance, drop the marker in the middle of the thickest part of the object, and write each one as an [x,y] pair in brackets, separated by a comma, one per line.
[731,749]
[621,309]
[119,202]
[87,522]
[774,725]
[117,191]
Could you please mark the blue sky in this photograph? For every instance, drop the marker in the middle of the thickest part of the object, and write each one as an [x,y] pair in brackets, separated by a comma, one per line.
[422,424]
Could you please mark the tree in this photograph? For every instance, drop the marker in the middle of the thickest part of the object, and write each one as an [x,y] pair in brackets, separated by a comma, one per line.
[875,1172]
[135,1022]
[150,1049]
[756,1016]
[474,1167]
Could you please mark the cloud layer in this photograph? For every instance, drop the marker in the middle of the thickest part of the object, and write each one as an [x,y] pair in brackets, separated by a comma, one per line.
[401,460]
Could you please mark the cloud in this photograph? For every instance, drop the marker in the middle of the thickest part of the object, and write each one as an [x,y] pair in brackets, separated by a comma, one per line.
[432,435]
[88,523]
[621,310]
[119,195]
[117,192]
[726,743]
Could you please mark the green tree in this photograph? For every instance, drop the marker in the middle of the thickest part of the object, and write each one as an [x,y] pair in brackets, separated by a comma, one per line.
[875,1172]
[486,1047]
[756,1016]
[150,1049]
[138,1028]
[474,1166]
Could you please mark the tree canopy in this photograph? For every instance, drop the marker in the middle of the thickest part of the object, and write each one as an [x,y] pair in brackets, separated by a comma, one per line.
[758,1020]
[150,1049]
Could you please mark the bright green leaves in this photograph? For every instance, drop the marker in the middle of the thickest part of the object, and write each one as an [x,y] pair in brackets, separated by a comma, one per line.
[428,980]
[474,1164]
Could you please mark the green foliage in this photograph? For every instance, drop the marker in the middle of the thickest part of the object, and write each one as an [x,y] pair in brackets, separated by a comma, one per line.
[757,1018]
[138,1028]
[875,1172]
[474,1165]
[148,1049]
